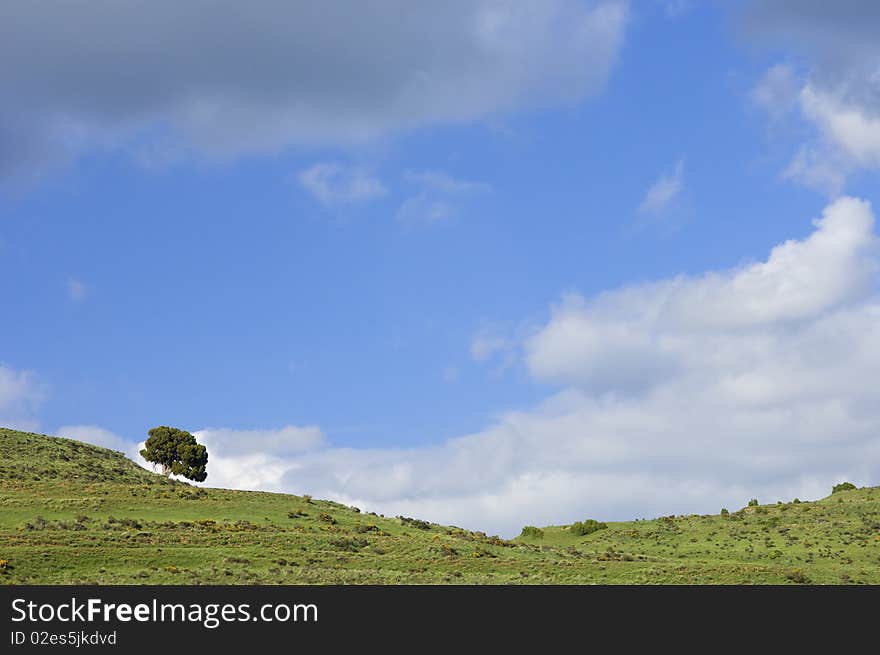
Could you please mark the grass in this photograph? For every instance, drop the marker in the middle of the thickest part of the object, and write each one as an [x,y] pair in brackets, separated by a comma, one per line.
[72,513]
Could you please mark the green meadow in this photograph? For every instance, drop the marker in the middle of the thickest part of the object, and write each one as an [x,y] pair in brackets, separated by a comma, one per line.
[72,513]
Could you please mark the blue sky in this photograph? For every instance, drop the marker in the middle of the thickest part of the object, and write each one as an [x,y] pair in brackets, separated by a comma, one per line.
[337,278]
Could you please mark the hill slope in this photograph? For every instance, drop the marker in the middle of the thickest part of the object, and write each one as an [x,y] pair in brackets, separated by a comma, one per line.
[75,513]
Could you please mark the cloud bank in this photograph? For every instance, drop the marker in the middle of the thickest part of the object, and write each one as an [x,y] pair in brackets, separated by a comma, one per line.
[220,79]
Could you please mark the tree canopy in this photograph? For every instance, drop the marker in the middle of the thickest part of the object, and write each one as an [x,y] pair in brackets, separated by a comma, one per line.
[176,451]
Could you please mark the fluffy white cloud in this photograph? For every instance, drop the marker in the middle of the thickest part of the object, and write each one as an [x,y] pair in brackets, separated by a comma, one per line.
[844,124]
[282,441]
[839,99]
[847,139]
[223,78]
[663,192]
[650,333]
[335,184]
[21,394]
[681,395]
[253,459]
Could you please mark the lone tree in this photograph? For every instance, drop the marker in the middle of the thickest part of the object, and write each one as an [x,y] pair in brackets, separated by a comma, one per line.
[176,451]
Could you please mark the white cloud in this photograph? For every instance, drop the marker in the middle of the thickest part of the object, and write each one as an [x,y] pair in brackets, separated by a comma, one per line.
[777,91]
[815,167]
[839,101]
[663,193]
[645,334]
[98,436]
[846,134]
[681,395]
[287,440]
[262,76]
[489,342]
[254,459]
[76,290]
[21,394]
[436,202]
[335,184]
[846,125]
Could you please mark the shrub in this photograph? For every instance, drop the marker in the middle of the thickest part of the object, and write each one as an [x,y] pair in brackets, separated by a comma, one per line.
[724,512]
[416,523]
[796,501]
[753,502]
[326,518]
[532,531]
[582,528]
[350,544]
[447,551]
[237,560]
[797,576]
[843,486]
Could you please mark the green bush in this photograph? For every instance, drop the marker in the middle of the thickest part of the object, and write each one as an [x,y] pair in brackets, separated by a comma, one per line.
[843,486]
[415,523]
[724,512]
[532,531]
[753,502]
[350,544]
[797,576]
[582,528]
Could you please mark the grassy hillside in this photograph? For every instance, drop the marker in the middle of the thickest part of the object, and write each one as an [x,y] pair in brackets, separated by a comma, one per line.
[75,513]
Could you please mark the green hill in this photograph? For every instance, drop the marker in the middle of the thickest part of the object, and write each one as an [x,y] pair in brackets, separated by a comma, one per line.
[71,512]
